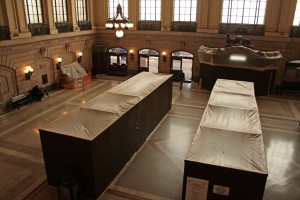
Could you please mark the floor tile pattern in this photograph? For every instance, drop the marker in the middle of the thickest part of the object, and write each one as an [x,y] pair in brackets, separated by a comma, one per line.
[156,171]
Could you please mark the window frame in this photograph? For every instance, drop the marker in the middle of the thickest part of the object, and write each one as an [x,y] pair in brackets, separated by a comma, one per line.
[38,9]
[64,10]
[228,17]
[158,10]
[83,9]
[112,7]
[180,9]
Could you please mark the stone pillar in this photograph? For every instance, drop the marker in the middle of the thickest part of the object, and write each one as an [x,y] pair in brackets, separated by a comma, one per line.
[73,17]
[3,14]
[133,13]
[279,17]
[99,11]
[167,14]
[208,15]
[17,19]
[50,17]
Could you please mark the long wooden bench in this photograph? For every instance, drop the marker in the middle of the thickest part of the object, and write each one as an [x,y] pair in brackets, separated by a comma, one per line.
[20,99]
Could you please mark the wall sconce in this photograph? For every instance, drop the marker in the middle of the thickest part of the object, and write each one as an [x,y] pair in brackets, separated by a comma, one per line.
[164,56]
[79,57]
[28,73]
[58,64]
[131,55]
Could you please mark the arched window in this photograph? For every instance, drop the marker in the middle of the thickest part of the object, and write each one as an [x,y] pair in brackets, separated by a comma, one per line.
[148,60]
[117,55]
[117,61]
[182,61]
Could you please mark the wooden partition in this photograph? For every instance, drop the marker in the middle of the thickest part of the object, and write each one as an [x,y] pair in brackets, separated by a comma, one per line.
[226,159]
[97,140]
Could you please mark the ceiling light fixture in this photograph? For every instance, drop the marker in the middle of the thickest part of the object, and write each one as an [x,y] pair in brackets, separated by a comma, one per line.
[119,22]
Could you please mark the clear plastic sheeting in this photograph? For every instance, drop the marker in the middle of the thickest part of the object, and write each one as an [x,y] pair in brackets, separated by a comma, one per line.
[92,118]
[143,85]
[73,70]
[110,102]
[229,134]
[241,57]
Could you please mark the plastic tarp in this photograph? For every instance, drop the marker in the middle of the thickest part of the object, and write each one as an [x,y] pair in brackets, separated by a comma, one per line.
[241,57]
[74,70]
[229,134]
[92,118]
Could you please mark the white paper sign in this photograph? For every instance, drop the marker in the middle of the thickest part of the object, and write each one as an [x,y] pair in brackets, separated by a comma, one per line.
[217,189]
[196,189]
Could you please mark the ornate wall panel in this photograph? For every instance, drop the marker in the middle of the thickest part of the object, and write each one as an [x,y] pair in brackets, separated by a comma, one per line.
[242,29]
[9,82]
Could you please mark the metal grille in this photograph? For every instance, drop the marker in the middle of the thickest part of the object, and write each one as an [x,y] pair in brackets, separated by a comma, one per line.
[60,10]
[81,8]
[185,10]
[34,11]
[149,25]
[150,10]
[244,11]
[64,27]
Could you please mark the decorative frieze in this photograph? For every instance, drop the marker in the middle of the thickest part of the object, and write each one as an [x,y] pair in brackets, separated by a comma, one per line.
[149,25]
[242,29]
[183,26]
[39,29]
[64,27]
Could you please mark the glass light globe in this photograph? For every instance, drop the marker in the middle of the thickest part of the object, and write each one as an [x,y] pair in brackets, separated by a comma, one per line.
[122,25]
[119,33]
[116,25]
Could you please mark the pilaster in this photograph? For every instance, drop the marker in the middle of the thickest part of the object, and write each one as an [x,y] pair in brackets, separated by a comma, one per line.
[50,17]
[166,14]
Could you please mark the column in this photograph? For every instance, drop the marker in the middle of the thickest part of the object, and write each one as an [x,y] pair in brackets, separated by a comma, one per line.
[73,16]
[279,17]
[50,17]
[167,14]
[99,13]
[16,19]
[209,15]
[133,12]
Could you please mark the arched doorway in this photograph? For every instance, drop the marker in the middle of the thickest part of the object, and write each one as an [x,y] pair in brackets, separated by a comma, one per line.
[148,60]
[182,61]
[118,60]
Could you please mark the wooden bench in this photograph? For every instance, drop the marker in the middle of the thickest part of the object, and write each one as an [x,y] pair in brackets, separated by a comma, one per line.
[20,99]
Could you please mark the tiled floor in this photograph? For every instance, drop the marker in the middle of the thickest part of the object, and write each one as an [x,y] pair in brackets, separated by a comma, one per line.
[156,171]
